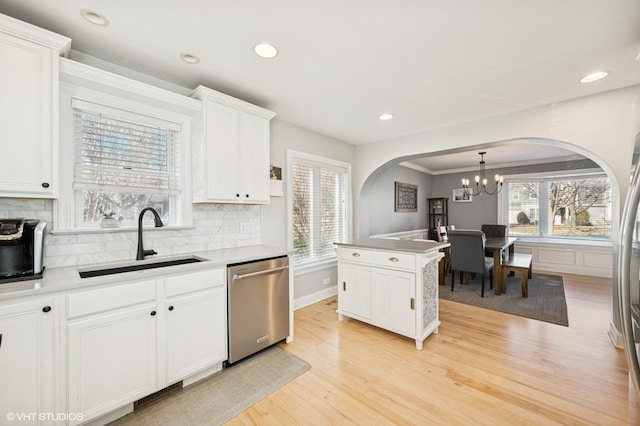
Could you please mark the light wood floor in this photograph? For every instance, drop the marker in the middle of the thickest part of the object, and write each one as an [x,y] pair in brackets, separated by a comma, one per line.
[483,368]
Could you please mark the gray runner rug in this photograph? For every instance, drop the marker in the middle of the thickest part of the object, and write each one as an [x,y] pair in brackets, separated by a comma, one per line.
[220,397]
[546,301]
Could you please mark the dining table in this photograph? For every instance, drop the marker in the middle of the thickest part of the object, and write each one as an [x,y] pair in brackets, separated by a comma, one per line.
[499,246]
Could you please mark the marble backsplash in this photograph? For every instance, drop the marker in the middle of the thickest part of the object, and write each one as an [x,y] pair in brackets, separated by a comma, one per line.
[215,226]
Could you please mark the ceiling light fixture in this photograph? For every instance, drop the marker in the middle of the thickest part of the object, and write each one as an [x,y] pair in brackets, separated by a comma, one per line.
[594,76]
[189,58]
[386,116]
[265,50]
[94,17]
[482,190]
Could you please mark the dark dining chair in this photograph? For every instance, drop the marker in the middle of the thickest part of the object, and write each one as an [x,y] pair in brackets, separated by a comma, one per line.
[467,256]
[494,231]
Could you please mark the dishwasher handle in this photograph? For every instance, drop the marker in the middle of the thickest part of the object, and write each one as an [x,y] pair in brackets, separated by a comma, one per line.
[253,274]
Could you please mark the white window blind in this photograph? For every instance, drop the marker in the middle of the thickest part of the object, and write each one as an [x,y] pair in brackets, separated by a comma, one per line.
[121,151]
[319,207]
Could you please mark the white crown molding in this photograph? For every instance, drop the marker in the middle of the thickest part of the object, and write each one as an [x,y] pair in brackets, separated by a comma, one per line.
[494,166]
[25,31]
[90,77]
[202,93]
[410,165]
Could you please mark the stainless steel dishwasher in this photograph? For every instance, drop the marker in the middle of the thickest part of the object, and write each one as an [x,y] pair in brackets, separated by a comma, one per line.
[258,305]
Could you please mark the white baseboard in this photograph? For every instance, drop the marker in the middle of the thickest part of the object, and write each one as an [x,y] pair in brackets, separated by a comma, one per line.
[310,299]
[615,335]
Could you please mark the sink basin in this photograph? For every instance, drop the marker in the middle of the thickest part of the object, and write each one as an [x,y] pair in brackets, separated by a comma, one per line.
[138,267]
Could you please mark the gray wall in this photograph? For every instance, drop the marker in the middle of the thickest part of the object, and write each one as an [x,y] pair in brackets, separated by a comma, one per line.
[286,136]
[381,201]
[377,196]
[484,209]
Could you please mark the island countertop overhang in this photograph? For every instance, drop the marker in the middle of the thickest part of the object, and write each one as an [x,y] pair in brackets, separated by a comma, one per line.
[408,246]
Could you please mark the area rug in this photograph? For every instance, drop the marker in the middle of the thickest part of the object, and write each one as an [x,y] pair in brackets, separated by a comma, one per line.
[546,301]
[219,398]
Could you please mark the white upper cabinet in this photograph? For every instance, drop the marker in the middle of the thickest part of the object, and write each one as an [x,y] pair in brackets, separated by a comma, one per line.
[29,109]
[230,150]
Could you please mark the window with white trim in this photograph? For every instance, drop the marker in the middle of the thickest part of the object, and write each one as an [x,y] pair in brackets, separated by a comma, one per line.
[123,162]
[569,206]
[318,189]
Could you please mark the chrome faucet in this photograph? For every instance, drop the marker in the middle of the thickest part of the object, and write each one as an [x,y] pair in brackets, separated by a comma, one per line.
[158,223]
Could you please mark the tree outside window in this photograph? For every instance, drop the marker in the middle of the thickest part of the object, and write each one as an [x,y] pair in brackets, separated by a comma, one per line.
[319,209]
[569,207]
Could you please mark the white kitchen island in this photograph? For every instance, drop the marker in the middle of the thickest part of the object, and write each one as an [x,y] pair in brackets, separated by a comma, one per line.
[391,284]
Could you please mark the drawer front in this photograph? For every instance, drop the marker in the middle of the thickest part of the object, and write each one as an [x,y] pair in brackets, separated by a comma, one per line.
[397,260]
[353,254]
[103,299]
[187,283]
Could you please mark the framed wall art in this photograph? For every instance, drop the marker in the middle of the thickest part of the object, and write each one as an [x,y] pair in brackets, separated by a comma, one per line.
[461,196]
[406,197]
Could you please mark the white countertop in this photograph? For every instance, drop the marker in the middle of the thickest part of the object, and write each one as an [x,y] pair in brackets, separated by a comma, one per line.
[409,246]
[68,278]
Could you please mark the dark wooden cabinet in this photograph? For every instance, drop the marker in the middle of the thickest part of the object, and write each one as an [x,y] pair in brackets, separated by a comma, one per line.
[438,211]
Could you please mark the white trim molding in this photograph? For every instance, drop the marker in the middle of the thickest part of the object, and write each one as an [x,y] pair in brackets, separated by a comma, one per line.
[569,257]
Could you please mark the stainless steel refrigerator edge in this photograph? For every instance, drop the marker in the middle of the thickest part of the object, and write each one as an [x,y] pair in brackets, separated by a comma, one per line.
[258,306]
[628,278]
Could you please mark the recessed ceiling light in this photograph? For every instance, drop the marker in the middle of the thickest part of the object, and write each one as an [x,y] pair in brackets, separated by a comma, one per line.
[386,116]
[94,17]
[189,58]
[594,76]
[265,50]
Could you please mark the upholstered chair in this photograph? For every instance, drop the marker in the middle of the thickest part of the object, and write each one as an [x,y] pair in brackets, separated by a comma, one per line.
[467,255]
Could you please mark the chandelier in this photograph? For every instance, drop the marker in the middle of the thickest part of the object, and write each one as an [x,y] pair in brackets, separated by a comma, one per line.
[481,182]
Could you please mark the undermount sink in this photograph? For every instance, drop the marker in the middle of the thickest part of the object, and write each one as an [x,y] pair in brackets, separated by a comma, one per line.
[138,267]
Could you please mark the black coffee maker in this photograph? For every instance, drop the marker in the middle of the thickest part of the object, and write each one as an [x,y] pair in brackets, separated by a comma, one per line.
[21,249]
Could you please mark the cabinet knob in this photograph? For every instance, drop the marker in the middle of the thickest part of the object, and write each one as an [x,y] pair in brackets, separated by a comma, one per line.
[355,254]
[171,308]
[153,313]
[45,184]
[238,195]
[394,259]
[46,309]
[246,195]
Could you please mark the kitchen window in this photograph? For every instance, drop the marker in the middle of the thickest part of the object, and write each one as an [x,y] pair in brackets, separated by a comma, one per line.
[124,162]
[319,206]
[568,206]
[118,157]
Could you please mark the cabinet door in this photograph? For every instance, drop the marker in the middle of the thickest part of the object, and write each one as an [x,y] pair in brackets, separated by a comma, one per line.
[222,175]
[111,360]
[27,354]
[196,332]
[26,118]
[254,158]
[355,289]
[393,305]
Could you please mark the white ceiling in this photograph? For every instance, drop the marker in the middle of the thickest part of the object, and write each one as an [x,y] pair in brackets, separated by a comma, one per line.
[343,63]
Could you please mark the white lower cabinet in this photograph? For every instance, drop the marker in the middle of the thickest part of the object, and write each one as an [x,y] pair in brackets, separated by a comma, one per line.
[27,361]
[196,325]
[128,341]
[111,360]
[393,300]
[355,289]
[397,291]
